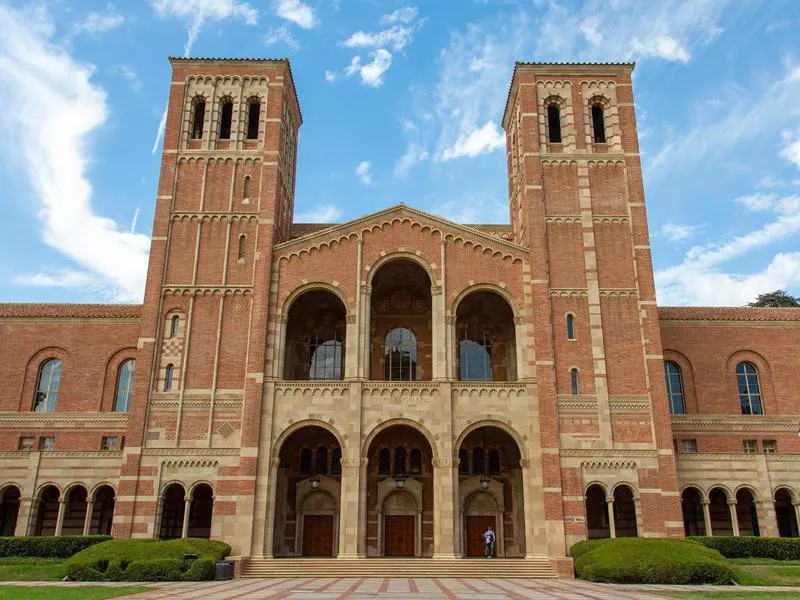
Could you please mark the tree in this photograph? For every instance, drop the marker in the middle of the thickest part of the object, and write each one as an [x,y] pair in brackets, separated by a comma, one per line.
[775,299]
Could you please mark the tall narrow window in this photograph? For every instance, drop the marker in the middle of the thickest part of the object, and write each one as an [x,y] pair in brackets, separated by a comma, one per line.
[336,461]
[598,124]
[494,462]
[399,461]
[672,372]
[570,327]
[242,246]
[174,324]
[246,190]
[573,382]
[749,389]
[400,355]
[198,118]
[384,460]
[475,355]
[322,460]
[225,119]
[554,123]
[47,385]
[253,114]
[463,462]
[415,458]
[325,362]
[169,372]
[122,399]
[478,461]
[305,461]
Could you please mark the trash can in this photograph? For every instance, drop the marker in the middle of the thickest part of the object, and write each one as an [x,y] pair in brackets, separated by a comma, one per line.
[223,570]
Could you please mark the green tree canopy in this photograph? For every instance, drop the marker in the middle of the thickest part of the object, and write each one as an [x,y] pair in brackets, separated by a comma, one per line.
[775,299]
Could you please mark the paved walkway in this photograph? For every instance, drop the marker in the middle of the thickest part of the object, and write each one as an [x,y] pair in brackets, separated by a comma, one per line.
[405,588]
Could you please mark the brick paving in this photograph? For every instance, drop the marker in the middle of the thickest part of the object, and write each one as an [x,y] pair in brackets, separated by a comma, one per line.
[405,588]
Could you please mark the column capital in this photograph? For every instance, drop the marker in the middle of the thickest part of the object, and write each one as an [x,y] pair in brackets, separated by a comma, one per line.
[731,502]
[444,463]
[353,462]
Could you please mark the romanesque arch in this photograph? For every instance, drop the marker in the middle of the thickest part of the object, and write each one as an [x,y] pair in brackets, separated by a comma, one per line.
[485,337]
[785,512]
[693,513]
[9,509]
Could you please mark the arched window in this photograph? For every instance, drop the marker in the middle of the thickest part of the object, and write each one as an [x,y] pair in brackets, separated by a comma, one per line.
[570,327]
[475,355]
[168,375]
[198,118]
[415,458]
[246,190]
[225,119]
[672,372]
[253,114]
[478,461]
[336,461]
[494,462]
[322,460]
[463,462]
[573,382]
[242,247]
[122,399]
[554,123]
[749,389]
[400,355]
[384,460]
[326,357]
[174,325]
[47,384]
[598,124]
[305,461]
[400,461]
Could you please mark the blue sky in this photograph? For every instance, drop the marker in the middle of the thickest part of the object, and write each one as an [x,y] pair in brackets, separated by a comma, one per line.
[402,103]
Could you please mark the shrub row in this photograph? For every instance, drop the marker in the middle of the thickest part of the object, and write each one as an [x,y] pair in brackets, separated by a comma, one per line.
[147,560]
[759,547]
[48,546]
[647,560]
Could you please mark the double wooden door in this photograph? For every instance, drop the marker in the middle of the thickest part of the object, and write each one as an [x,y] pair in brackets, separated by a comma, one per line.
[476,526]
[399,535]
[317,535]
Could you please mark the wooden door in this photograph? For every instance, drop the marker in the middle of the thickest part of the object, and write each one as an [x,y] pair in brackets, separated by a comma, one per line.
[399,535]
[317,535]
[475,528]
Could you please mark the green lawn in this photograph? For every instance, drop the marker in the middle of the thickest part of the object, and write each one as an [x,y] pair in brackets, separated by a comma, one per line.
[727,595]
[83,592]
[765,571]
[30,568]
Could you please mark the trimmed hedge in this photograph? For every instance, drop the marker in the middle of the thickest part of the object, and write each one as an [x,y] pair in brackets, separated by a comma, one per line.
[147,560]
[648,560]
[751,546]
[48,546]
[581,548]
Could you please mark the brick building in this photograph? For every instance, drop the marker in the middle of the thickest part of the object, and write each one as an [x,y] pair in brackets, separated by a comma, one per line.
[391,385]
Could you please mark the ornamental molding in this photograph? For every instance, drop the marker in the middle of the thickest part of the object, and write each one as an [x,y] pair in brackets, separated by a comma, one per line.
[109,454]
[567,293]
[351,319]
[207,291]
[192,403]
[216,155]
[623,403]
[186,452]
[605,163]
[611,219]
[727,423]
[354,462]
[189,463]
[569,403]
[620,293]
[729,458]
[206,217]
[444,463]
[563,220]
[57,420]
[608,465]
[606,453]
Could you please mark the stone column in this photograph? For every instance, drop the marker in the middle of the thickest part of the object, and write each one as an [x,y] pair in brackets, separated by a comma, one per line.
[534,545]
[270,520]
[351,347]
[707,517]
[365,331]
[438,329]
[796,505]
[612,526]
[87,519]
[734,517]
[62,509]
[27,509]
[363,508]
[349,533]
[187,508]
[767,522]
[443,537]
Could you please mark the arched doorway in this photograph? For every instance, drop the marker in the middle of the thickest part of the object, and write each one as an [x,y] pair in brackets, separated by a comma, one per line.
[399,493]
[597,525]
[491,492]
[315,337]
[75,511]
[692,506]
[719,512]
[785,513]
[9,510]
[624,512]
[102,510]
[400,346]
[308,492]
[485,334]
[46,511]
[746,513]
[173,506]
[201,509]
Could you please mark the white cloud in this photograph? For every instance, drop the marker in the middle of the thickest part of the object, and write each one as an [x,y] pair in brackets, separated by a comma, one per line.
[330,76]
[297,12]
[324,213]
[398,37]
[363,173]
[474,210]
[678,233]
[58,108]
[97,22]
[589,29]
[792,151]
[401,15]
[60,278]
[372,72]
[414,154]
[479,141]
[129,75]
[662,46]
[275,35]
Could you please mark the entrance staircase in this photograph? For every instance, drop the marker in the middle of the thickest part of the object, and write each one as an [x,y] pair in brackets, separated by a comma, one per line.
[536,568]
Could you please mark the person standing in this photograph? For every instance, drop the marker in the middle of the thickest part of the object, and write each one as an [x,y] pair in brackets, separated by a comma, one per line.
[488,539]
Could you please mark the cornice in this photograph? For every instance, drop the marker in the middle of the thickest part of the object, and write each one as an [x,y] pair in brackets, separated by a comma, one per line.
[189,452]
[601,453]
[728,423]
[57,420]
[18,454]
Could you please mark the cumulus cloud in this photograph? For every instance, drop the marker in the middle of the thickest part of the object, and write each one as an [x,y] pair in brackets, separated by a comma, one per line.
[276,35]
[792,151]
[363,173]
[482,140]
[98,22]
[330,76]
[401,15]
[662,46]
[397,37]
[678,233]
[372,72]
[324,213]
[58,107]
[297,12]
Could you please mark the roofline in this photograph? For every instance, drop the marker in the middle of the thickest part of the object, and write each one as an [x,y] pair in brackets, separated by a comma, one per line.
[554,67]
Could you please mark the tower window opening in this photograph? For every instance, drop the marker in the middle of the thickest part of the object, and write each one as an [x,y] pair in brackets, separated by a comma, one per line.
[253,114]
[598,124]
[198,118]
[225,119]
[554,123]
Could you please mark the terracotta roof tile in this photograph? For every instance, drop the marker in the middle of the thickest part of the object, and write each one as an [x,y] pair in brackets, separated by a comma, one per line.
[727,313]
[497,229]
[70,311]
[301,229]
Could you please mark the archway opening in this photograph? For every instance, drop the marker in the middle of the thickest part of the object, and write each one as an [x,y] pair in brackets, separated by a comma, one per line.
[103,510]
[308,494]
[624,512]
[785,513]
[75,511]
[491,492]
[486,337]
[9,510]
[400,323]
[173,506]
[692,506]
[720,512]
[315,337]
[597,525]
[746,513]
[201,511]
[46,511]
[399,493]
